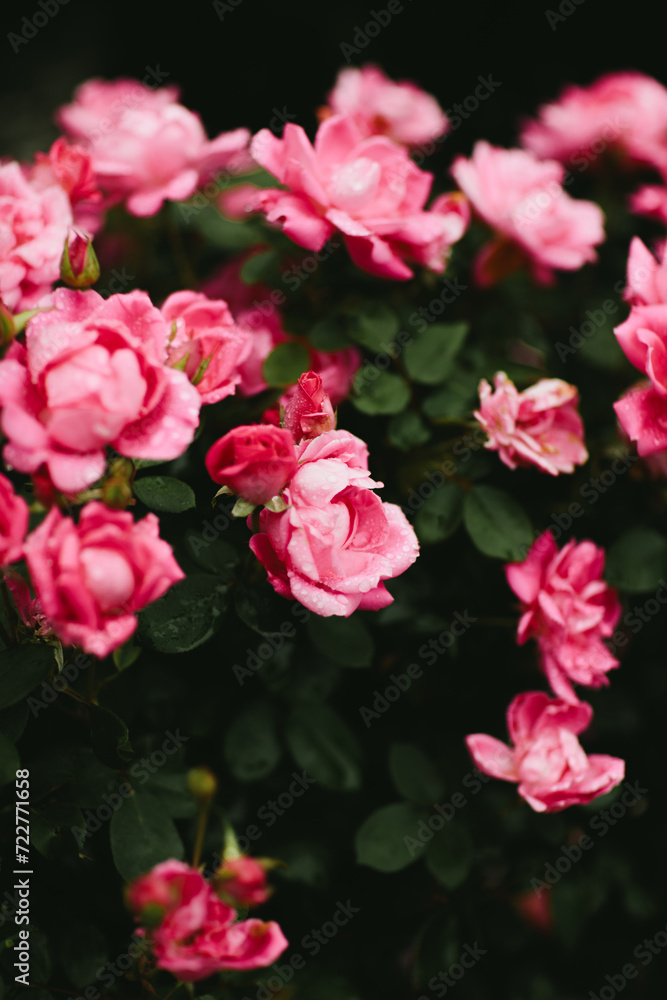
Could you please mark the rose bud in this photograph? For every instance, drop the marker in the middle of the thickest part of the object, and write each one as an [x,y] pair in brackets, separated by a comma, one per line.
[308,412]
[242,881]
[255,462]
[7,327]
[79,266]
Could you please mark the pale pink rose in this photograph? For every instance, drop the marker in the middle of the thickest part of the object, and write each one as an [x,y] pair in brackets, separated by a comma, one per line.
[256,311]
[197,935]
[254,461]
[522,199]
[642,411]
[145,146]
[547,759]
[34,222]
[308,412]
[206,343]
[539,426]
[93,373]
[71,167]
[569,609]
[621,112]
[380,106]
[242,881]
[367,188]
[13,523]
[650,200]
[337,541]
[90,578]
[647,278]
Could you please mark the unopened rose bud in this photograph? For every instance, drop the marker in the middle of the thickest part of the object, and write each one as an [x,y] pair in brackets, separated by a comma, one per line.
[308,411]
[117,488]
[7,328]
[202,784]
[79,266]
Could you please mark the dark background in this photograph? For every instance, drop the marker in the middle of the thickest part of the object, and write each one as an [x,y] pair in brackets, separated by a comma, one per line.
[265,54]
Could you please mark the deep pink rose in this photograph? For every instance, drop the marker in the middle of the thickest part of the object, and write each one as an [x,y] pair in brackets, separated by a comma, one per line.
[523,200]
[308,412]
[243,881]
[539,426]
[93,373]
[34,221]
[642,411]
[367,188]
[620,112]
[646,277]
[145,146]
[569,609]
[650,200]
[380,106]
[337,541]
[13,523]
[206,343]
[256,311]
[547,759]
[71,167]
[91,577]
[254,461]
[197,935]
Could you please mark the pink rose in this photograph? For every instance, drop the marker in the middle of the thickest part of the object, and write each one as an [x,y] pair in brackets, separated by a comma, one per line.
[144,146]
[523,200]
[93,373]
[33,222]
[308,412]
[206,343]
[337,541]
[642,411]
[13,523]
[624,112]
[379,106]
[71,167]
[197,935]
[650,200]
[539,426]
[253,461]
[647,279]
[243,881]
[91,577]
[547,759]
[255,310]
[367,188]
[569,609]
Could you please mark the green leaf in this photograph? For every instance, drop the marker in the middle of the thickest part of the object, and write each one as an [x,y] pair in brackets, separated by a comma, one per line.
[407,430]
[260,609]
[186,616]
[498,526]
[13,721]
[449,856]
[380,392]
[252,750]
[260,267]
[21,669]
[325,747]
[110,738]
[386,840]
[53,828]
[285,364]
[165,494]
[9,760]
[429,357]
[373,324]
[82,951]
[440,514]
[344,640]
[414,774]
[142,835]
[637,561]
[215,556]
[125,655]
[171,788]
[329,334]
